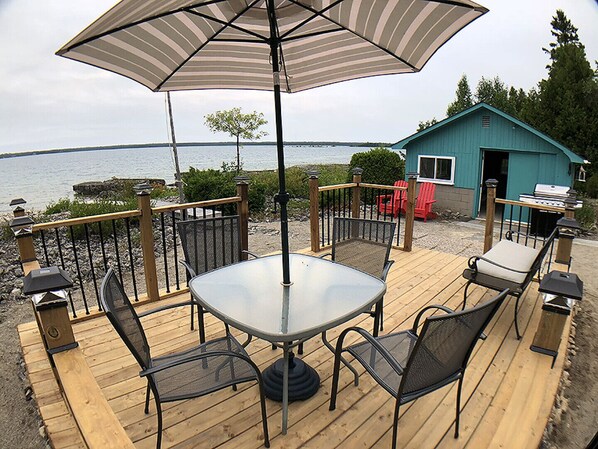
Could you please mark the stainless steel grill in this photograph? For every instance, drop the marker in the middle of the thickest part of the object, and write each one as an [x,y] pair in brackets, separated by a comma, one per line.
[542,222]
[548,195]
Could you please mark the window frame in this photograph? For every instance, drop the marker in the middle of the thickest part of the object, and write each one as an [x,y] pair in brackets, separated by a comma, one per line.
[435,180]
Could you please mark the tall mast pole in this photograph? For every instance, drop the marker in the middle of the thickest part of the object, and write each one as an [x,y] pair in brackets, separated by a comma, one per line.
[178,181]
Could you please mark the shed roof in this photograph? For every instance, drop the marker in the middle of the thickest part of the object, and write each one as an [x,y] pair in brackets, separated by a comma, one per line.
[574,158]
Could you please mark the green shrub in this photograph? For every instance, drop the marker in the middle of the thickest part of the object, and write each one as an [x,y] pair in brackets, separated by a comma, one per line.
[586,216]
[78,208]
[380,166]
[591,187]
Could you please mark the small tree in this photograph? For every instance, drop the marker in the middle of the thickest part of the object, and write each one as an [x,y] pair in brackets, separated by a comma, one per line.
[238,125]
[463,98]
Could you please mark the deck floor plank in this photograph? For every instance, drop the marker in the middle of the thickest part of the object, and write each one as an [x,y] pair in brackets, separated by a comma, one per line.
[506,388]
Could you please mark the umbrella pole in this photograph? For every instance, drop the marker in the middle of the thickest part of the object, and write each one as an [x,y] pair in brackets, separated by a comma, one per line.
[282,197]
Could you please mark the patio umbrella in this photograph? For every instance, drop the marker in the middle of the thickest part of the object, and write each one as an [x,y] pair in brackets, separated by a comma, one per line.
[288,45]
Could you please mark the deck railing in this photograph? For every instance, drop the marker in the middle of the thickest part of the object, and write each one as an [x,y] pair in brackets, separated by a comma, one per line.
[521,221]
[357,200]
[141,245]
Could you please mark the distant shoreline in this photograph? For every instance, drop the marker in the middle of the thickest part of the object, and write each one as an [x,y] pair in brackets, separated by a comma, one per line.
[183,144]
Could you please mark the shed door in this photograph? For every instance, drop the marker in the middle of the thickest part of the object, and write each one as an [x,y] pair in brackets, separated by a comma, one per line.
[495,165]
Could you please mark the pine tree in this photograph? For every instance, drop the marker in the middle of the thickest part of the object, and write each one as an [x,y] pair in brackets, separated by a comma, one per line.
[464,98]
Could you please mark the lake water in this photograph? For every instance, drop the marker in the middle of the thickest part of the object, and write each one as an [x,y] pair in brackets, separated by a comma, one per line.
[43,178]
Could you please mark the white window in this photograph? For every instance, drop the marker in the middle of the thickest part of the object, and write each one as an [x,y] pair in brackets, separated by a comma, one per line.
[437,169]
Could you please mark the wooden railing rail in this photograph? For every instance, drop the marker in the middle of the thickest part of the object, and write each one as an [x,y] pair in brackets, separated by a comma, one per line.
[197,205]
[85,220]
[530,205]
[337,187]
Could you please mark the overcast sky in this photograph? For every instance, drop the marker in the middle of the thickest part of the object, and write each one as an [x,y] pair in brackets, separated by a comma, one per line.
[50,102]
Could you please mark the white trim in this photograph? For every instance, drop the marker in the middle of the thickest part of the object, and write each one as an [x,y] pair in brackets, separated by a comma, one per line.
[449,182]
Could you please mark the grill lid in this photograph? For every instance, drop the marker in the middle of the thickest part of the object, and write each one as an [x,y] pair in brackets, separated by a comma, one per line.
[551,191]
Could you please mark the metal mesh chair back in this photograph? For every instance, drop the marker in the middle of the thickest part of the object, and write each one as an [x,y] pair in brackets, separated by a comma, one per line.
[444,346]
[362,244]
[210,243]
[120,312]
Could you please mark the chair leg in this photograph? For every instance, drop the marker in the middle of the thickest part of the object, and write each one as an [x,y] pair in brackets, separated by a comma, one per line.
[458,411]
[516,324]
[159,433]
[147,392]
[264,414]
[200,324]
[300,349]
[395,424]
[465,295]
[335,375]
[192,316]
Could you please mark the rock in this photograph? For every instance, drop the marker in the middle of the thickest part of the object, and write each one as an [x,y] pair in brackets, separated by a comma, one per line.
[15,294]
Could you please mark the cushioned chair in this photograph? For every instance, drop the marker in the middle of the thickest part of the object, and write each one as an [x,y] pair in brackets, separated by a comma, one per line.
[508,265]
[209,367]
[409,364]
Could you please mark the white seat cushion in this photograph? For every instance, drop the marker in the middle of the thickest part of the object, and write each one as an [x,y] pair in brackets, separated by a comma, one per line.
[508,254]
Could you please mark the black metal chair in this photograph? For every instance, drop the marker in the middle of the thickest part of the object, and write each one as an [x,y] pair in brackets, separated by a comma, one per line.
[508,265]
[364,245]
[208,243]
[209,367]
[409,366]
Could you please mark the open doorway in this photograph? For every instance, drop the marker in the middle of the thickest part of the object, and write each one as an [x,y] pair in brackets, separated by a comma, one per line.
[495,165]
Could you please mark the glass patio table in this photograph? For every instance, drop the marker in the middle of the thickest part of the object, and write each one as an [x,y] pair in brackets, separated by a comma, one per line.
[250,297]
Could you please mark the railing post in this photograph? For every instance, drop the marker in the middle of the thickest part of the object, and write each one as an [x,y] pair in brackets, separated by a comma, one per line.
[567,227]
[314,215]
[147,241]
[356,196]
[410,212]
[243,213]
[490,208]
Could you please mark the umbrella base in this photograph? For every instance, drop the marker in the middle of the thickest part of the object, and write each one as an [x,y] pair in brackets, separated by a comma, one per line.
[304,381]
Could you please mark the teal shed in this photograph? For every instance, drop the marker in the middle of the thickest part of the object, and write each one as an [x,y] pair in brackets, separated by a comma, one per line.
[482,142]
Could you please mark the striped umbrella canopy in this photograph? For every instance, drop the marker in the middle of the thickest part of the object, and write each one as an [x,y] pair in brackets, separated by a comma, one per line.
[278,45]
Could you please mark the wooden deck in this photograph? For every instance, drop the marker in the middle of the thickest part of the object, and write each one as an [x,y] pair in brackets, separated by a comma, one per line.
[507,397]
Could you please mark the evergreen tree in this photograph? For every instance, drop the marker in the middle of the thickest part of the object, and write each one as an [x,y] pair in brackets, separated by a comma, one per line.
[495,93]
[462,101]
[566,107]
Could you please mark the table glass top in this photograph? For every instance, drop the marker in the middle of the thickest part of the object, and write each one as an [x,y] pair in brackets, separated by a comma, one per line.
[249,296]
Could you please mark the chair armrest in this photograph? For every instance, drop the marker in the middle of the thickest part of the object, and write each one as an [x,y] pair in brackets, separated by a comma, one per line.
[166,307]
[194,358]
[251,254]
[386,269]
[372,340]
[325,255]
[424,310]
[190,271]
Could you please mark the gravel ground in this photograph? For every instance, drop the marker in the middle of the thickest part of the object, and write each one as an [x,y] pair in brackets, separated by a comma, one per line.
[574,424]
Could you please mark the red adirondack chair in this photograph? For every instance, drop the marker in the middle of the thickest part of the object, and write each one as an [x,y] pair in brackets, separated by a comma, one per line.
[392,202]
[425,199]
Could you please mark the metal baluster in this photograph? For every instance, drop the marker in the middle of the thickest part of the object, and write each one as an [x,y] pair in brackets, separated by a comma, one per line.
[372,200]
[43,236]
[195,213]
[224,241]
[322,218]
[519,223]
[215,260]
[116,252]
[163,230]
[328,213]
[103,247]
[502,223]
[78,270]
[64,268]
[128,226]
[344,202]
[93,273]
[174,245]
